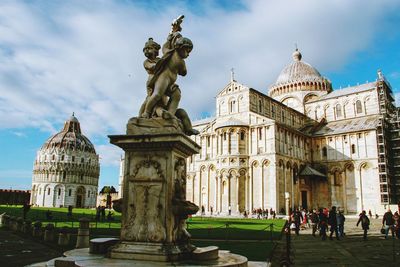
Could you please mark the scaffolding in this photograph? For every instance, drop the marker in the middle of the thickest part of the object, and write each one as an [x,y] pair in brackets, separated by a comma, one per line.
[388,141]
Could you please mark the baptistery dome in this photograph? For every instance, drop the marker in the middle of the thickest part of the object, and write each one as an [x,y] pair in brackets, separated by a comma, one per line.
[298,83]
[66,170]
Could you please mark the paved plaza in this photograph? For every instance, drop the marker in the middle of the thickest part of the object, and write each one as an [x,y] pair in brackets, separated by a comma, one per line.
[17,251]
[349,251]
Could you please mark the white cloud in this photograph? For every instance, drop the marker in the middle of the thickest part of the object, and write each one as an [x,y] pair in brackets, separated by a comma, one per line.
[86,56]
[109,155]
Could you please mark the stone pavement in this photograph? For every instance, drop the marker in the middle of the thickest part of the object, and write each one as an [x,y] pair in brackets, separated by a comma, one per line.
[349,251]
[16,251]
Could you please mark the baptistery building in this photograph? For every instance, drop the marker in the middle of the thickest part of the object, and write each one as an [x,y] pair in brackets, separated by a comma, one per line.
[66,170]
[299,144]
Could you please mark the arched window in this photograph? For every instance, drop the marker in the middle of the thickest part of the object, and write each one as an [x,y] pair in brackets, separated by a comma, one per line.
[69,192]
[48,191]
[232,106]
[242,136]
[59,191]
[338,111]
[337,178]
[324,151]
[353,149]
[224,188]
[358,107]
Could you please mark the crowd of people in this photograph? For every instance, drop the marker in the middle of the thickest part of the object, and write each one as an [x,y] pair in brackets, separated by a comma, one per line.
[321,220]
[332,222]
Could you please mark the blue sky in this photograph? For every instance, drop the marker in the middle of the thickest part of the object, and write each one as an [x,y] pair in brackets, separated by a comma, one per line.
[59,57]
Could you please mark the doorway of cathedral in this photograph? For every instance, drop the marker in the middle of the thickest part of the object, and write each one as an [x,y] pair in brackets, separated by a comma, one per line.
[304,203]
[80,193]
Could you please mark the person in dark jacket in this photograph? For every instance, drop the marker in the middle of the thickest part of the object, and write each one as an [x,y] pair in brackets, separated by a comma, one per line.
[323,223]
[314,221]
[363,219]
[333,223]
[297,218]
[388,222]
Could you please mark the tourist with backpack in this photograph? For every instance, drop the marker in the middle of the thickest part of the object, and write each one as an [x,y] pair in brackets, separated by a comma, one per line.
[364,223]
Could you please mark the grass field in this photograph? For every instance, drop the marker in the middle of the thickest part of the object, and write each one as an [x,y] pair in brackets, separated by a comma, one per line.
[249,237]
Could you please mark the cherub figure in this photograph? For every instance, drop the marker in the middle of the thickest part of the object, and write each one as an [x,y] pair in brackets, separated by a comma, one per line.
[150,50]
[163,94]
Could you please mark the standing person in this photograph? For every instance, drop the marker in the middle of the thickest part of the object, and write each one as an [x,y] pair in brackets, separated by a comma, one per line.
[323,223]
[211,210]
[266,213]
[314,221]
[203,210]
[364,223]
[229,210]
[370,214]
[103,213]
[388,222]
[333,223]
[297,218]
[340,222]
[69,214]
[98,213]
[396,219]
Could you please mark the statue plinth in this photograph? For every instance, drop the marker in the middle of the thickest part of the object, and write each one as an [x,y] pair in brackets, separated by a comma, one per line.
[154,207]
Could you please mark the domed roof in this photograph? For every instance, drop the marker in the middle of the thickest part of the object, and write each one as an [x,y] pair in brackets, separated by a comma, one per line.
[298,71]
[70,138]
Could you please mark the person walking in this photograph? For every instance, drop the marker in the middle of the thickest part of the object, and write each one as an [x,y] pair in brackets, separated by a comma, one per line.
[363,219]
[333,223]
[323,223]
[388,222]
[340,222]
[314,221]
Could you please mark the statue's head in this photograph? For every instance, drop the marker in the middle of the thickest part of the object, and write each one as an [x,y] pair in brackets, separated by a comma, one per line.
[183,46]
[151,49]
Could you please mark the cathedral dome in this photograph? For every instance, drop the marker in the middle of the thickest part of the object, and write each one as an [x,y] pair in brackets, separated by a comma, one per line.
[70,137]
[298,71]
[299,76]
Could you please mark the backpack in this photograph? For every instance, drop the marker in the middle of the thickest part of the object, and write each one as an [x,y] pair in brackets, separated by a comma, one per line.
[365,220]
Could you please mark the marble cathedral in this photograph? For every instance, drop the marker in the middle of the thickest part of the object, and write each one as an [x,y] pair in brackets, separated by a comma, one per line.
[302,144]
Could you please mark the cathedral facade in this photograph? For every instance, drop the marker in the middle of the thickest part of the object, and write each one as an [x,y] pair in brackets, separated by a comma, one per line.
[66,170]
[301,145]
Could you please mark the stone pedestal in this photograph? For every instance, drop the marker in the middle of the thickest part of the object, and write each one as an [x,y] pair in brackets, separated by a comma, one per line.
[154,208]
[82,240]
[49,233]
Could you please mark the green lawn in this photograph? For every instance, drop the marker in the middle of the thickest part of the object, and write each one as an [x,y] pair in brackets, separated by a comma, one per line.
[248,237]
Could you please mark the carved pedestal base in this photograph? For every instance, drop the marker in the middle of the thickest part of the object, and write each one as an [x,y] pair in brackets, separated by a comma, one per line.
[154,206]
[151,251]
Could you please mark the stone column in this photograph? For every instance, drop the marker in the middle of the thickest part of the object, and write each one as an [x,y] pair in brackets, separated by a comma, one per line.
[237,194]
[154,208]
